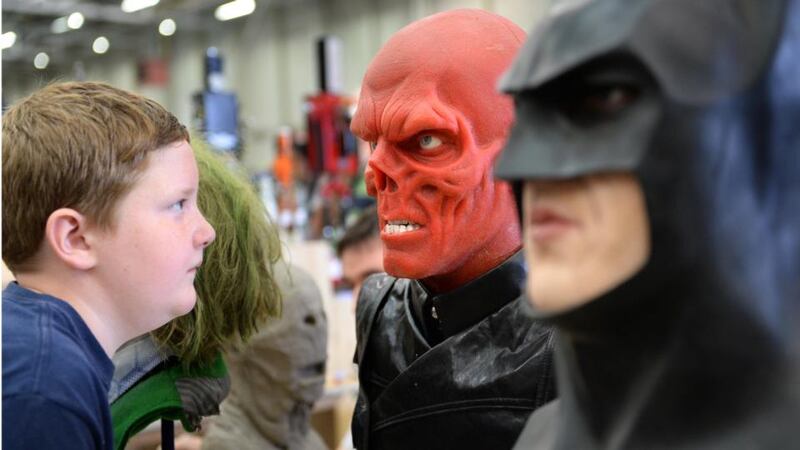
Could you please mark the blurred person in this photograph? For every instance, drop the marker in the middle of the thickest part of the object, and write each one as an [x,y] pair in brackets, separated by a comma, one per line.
[103,234]
[658,158]
[360,250]
[446,357]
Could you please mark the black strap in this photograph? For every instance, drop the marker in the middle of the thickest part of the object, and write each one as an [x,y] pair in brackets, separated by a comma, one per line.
[167,434]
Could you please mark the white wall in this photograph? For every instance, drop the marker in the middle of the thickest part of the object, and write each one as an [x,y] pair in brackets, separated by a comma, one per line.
[270,59]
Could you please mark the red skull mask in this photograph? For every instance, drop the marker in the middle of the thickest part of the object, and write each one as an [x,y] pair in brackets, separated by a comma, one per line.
[436,123]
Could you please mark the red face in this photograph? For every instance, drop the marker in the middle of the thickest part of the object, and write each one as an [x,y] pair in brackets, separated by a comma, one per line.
[436,123]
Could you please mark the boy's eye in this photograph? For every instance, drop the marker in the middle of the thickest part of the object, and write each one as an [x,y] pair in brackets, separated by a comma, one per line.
[373,145]
[178,206]
[429,142]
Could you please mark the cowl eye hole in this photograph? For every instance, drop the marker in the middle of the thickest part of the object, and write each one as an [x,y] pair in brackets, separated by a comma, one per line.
[598,101]
[310,320]
[598,91]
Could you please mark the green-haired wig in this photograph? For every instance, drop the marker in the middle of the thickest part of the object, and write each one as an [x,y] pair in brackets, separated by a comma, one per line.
[236,290]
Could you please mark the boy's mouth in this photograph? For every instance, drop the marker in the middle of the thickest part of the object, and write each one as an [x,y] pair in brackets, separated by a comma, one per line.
[196,267]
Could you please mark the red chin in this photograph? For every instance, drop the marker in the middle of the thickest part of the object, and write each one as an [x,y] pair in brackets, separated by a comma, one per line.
[403,264]
[408,254]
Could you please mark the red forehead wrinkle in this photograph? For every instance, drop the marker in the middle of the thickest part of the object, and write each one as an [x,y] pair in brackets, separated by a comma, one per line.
[404,116]
[457,55]
[401,113]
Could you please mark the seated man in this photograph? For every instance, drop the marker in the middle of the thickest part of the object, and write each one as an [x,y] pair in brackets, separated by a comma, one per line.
[661,201]
[446,357]
[361,251]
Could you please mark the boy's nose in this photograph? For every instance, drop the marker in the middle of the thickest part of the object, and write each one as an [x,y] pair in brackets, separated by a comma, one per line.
[205,234]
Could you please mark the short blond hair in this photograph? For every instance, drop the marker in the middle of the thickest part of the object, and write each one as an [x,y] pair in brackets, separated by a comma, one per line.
[79,145]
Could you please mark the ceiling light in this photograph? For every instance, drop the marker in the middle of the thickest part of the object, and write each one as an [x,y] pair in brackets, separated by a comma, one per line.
[167,27]
[41,60]
[100,45]
[129,6]
[59,25]
[234,9]
[7,39]
[75,20]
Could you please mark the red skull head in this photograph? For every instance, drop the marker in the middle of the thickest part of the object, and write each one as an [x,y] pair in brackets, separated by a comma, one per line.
[436,123]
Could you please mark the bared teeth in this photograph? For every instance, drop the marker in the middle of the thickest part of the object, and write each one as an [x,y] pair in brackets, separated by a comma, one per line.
[400,226]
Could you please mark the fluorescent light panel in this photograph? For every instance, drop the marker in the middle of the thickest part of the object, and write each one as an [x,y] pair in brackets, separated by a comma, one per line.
[59,25]
[66,23]
[129,6]
[234,9]
[7,39]
[75,20]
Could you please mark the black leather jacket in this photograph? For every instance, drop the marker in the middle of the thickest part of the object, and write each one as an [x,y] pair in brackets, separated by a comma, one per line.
[474,389]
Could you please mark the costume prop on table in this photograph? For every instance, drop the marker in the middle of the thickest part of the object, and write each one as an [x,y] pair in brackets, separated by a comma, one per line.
[177,372]
[446,359]
[700,348]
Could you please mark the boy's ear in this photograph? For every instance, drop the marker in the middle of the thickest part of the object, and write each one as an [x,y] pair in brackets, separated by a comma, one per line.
[66,234]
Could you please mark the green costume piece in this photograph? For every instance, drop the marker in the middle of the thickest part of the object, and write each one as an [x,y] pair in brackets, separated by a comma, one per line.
[171,392]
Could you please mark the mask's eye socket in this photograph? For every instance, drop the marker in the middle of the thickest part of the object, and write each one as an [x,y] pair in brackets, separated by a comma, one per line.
[591,103]
[600,91]
[429,142]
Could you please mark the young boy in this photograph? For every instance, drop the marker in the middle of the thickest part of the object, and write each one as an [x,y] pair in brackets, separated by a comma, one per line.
[102,232]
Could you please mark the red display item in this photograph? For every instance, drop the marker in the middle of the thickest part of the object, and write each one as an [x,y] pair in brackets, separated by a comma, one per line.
[326,126]
[430,110]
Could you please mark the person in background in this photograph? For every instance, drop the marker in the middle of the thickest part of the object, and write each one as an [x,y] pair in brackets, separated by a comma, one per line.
[658,159]
[103,234]
[360,250]
[446,357]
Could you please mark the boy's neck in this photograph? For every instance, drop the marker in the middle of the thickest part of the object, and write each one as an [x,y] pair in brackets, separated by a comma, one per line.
[97,314]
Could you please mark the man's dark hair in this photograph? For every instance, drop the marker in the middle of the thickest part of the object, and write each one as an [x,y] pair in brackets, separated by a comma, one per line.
[364,228]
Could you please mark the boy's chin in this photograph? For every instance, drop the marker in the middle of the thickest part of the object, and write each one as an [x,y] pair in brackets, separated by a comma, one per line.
[184,306]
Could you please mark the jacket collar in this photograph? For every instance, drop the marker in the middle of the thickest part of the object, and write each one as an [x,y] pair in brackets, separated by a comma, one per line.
[447,314]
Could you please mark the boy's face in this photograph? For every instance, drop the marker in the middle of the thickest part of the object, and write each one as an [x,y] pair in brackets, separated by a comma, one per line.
[148,261]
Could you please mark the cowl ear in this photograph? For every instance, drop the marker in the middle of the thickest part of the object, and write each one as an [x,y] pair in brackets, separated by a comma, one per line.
[67,233]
